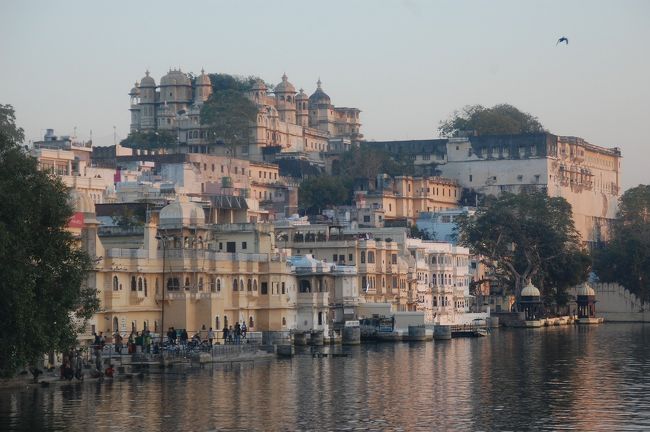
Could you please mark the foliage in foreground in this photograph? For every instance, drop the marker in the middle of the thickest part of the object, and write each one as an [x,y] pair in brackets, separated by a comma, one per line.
[528,236]
[43,297]
[626,258]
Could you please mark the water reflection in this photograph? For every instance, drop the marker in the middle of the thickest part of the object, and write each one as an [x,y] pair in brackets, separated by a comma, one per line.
[582,378]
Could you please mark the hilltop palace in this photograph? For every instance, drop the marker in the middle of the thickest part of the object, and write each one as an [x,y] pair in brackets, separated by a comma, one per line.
[287,121]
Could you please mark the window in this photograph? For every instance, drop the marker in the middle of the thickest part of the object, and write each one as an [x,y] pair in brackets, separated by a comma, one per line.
[363,257]
[254,284]
[371,257]
[470,177]
[231,247]
[284,321]
[249,285]
[283,288]
[393,259]
[218,285]
[366,218]
[334,257]
[187,283]
[320,318]
[201,284]
[133,283]
[264,288]
[350,257]
[243,245]
[140,284]
[116,283]
[173,284]
[234,285]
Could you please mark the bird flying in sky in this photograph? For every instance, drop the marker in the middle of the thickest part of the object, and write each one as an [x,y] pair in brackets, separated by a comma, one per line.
[563,39]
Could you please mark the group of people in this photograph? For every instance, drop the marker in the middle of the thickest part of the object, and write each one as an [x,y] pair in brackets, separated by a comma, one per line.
[234,335]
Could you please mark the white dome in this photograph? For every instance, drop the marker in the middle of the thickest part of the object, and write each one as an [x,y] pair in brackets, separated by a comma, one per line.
[182,213]
[175,78]
[147,81]
[285,86]
[530,290]
[585,290]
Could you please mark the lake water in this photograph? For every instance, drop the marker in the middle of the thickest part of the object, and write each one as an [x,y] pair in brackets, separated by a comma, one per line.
[579,378]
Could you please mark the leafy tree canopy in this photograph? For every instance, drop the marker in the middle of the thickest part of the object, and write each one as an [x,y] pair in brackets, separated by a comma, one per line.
[366,161]
[150,140]
[528,236]
[228,113]
[500,119]
[322,192]
[43,297]
[626,258]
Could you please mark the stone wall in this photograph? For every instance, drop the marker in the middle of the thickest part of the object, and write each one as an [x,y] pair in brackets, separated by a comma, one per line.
[617,304]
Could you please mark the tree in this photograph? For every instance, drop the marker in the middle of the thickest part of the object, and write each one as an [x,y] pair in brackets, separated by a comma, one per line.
[527,236]
[500,119]
[626,258]
[323,192]
[44,301]
[365,161]
[153,140]
[229,115]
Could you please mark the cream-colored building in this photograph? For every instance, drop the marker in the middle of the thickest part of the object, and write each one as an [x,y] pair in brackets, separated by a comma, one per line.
[587,176]
[443,279]
[403,198]
[180,270]
[287,120]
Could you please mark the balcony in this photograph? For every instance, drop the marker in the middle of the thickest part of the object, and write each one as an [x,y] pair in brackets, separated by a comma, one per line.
[313,299]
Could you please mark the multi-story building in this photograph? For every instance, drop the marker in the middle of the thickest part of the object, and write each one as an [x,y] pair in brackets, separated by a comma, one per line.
[586,175]
[287,121]
[403,198]
[443,279]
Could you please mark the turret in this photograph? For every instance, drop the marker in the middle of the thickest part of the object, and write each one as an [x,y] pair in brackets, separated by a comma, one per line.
[285,94]
[302,109]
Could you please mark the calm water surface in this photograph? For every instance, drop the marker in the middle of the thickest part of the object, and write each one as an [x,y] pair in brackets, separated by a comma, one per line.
[579,378]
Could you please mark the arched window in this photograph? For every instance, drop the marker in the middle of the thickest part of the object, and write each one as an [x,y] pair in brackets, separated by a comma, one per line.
[187,283]
[234,285]
[254,284]
[140,284]
[371,257]
[133,283]
[115,325]
[363,257]
[116,283]
[241,284]
[218,284]
[216,322]
[145,287]
[249,285]
[251,323]
[284,321]
[172,284]
[364,283]
[201,283]
[305,286]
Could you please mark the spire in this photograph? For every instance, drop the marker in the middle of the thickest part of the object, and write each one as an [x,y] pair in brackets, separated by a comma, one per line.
[202,71]
[284,77]
[146,72]
[318,83]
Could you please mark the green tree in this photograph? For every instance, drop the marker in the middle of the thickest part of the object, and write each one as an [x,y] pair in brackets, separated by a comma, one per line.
[322,192]
[501,119]
[229,115]
[527,236]
[153,140]
[365,161]
[44,300]
[626,258]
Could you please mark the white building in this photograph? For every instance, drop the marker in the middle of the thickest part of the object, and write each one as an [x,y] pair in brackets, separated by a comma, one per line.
[443,278]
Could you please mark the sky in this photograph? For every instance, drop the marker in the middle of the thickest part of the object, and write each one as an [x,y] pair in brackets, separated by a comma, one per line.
[407,64]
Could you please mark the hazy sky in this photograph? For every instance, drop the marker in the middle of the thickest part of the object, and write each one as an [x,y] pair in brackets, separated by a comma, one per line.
[406,64]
